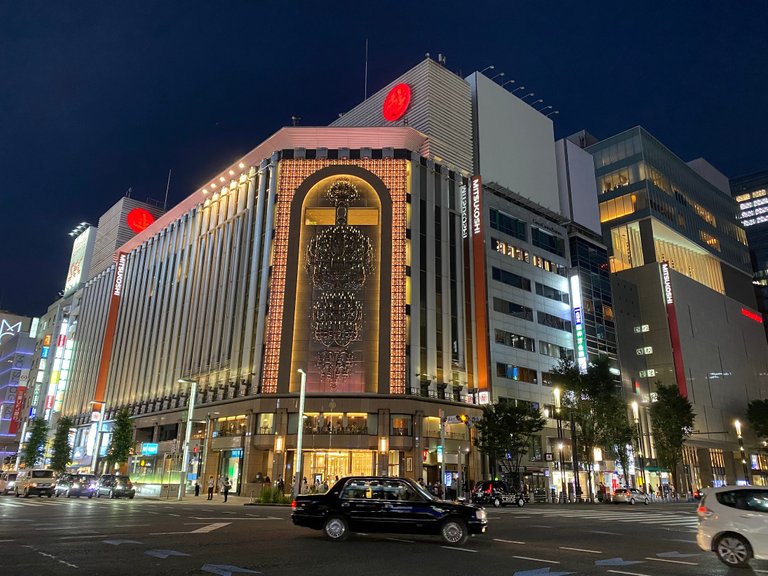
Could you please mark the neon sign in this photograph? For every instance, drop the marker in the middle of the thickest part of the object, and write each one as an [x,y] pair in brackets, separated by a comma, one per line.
[138,219]
[578,324]
[751,315]
[119,275]
[667,283]
[464,218]
[476,188]
[396,102]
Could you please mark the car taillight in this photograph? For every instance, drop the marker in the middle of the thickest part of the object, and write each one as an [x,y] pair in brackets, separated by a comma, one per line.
[489,490]
[703,511]
[293,505]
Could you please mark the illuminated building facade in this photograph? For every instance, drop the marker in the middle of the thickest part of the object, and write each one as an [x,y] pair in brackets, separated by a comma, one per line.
[751,192]
[685,308]
[15,363]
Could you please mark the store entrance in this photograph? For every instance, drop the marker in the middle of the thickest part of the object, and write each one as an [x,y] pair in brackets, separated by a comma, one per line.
[327,465]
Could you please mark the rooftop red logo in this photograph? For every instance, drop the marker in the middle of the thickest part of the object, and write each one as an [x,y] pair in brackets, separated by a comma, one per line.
[396,102]
[138,219]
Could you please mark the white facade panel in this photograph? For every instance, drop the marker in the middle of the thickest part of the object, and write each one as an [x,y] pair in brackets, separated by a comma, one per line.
[515,144]
[577,185]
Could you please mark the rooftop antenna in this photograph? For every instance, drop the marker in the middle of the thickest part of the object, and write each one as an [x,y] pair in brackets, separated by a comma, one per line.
[167,187]
[295,120]
[128,192]
[441,59]
[365,89]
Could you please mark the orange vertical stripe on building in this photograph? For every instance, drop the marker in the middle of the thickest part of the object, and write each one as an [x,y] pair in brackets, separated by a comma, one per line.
[99,394]
[479,281]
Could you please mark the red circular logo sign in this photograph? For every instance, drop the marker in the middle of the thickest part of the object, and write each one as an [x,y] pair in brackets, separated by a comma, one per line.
[138,219]
[396,102]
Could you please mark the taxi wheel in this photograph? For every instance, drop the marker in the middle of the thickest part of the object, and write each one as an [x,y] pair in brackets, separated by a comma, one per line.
[520,502]
[68,494]
[632,501]
[496,502]
[454,531]
[336,528]
[733,551]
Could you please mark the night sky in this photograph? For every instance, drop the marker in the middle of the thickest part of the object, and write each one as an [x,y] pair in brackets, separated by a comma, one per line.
[97,98]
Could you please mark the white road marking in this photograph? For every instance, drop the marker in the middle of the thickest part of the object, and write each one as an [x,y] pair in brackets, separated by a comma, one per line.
[87,536]
[581,550]
[459,549]
[210,528]
[229,518]
[672,561]
[9,540]
[536,559]
[628,573]
[508,541]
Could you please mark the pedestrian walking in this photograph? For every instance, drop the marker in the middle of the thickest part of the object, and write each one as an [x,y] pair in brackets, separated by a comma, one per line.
[226,485]
[197,488]
[211,485]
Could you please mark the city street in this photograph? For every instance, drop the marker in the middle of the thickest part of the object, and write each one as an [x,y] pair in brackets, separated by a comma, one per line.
[153,537]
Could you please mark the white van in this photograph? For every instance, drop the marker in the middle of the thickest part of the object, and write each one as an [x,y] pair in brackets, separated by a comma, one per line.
[35,481]
[8,482]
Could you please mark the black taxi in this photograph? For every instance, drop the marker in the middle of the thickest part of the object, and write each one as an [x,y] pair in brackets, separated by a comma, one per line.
[386,504]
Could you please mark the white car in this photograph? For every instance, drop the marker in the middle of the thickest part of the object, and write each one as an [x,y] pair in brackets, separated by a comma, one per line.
[733,522]
[630,496]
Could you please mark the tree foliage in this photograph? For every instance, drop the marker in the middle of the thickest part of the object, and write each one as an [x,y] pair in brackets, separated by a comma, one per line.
[505,432]
[61,450]
[757,414]
[34,450]
[672,419]
[593,400]
[121,444]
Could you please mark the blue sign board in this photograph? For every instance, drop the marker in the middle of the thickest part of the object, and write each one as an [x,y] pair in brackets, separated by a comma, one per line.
[237,453]
[148,448]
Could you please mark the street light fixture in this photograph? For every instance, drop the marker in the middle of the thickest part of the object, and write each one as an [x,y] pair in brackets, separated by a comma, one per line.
[497,75]
[518,88]
[640,457]
[487,68]
[742,454]
[187,434]
[545,108]
[508,82]
[553,113]
[526,96]
[539,101]
[300,435]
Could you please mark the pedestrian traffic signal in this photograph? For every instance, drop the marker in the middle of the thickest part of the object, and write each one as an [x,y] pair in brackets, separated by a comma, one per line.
[424,455]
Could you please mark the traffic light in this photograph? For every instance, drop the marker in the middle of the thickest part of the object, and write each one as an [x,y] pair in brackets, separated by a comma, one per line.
[424,455]
[463,418]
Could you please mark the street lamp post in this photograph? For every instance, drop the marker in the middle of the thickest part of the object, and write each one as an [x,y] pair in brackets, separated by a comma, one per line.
[559,419]
[640,457]
[187,434]
[742,454]
[298,468]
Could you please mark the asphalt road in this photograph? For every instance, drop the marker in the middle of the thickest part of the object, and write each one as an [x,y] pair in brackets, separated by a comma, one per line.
[151,537]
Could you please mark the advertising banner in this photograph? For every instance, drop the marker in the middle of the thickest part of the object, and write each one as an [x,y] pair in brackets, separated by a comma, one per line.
[17,406]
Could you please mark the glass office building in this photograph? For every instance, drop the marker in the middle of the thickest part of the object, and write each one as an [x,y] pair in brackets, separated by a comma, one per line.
[683,297]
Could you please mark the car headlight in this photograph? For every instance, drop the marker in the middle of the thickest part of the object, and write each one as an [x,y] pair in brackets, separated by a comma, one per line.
[75,485]
[11,483]
[118,485]
[481,514]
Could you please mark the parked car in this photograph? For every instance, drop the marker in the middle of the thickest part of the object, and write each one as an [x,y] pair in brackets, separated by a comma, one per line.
[496,493]
[115,486]
[35,481]
[630,496]
[76,485]
[733,523]
[385,504]
[8,482]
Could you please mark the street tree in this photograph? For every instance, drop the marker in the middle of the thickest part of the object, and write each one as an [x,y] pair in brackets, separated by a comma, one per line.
[61,450]
[593,403]
[34,450]
[504,435]
[672,420]
[757,414]
[121,444]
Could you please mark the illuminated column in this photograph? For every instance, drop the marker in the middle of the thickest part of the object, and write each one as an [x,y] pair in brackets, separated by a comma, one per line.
[742,453]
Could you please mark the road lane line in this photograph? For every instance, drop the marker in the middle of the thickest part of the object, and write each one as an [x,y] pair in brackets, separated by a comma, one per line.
[459,549]
[536,559]
[607,533]
[581,550]
[87,536]
[210,528]
[628,573]
[508,541]
[672,561]
[9,540]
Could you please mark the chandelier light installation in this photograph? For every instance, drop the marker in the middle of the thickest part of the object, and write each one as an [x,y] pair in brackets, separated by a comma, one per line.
[339,263]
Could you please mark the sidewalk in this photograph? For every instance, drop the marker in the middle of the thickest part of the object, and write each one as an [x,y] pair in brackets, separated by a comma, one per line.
[202,500]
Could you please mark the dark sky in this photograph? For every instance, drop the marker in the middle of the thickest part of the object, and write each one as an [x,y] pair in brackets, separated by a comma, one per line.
[99,97]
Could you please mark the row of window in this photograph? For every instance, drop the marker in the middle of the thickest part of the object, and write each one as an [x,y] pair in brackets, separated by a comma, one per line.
[517,281]
[517,228]
[520,311]
[529,344]
[519,254]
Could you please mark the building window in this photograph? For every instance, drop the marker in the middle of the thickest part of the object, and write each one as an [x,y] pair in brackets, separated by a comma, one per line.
[511,279]
[515,341]
[512,309]
[552,293]
[510,250]
[553,321]
[618,207]
[401,425]
[555,351]
[547,241]
[265,424]
[231,426]
[508,224]
[517,373]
